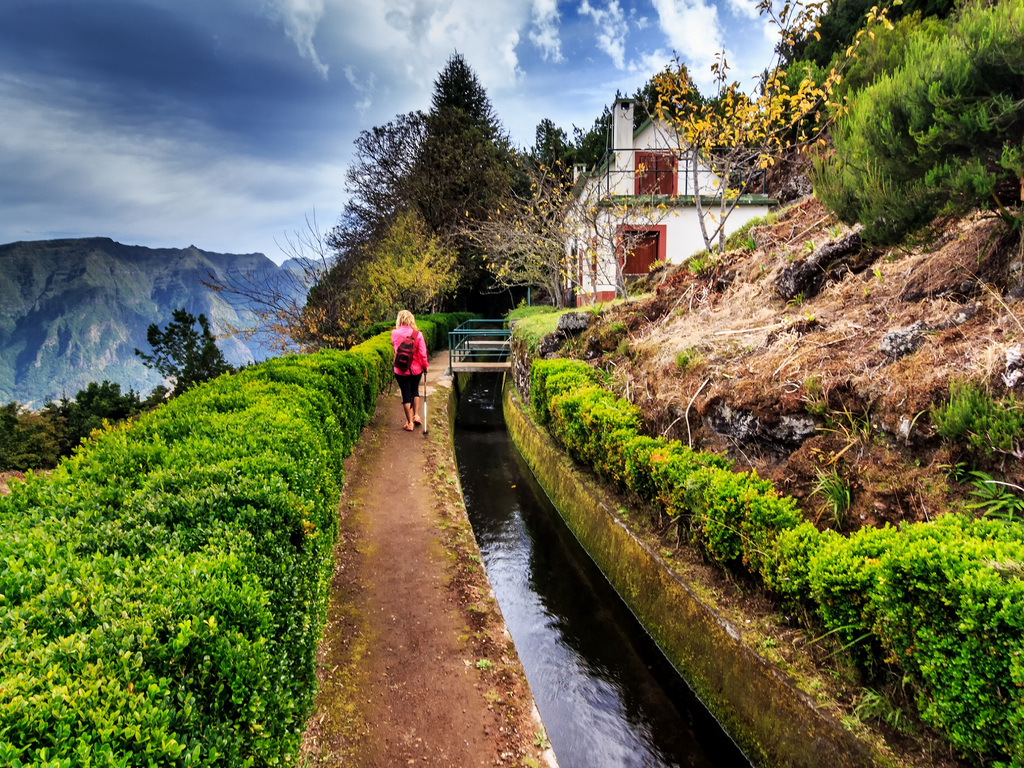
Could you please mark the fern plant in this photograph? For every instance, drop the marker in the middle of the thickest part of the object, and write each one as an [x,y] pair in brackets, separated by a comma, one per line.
[994,498]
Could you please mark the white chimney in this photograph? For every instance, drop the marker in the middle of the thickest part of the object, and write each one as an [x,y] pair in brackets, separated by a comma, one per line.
[622,139]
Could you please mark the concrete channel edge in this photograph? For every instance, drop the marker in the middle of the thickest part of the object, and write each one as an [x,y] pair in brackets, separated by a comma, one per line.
[775,723]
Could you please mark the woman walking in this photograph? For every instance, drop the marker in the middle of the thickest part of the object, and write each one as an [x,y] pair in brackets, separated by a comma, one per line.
[410,364]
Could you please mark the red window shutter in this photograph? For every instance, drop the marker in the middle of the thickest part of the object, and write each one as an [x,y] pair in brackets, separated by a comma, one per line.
[655,174]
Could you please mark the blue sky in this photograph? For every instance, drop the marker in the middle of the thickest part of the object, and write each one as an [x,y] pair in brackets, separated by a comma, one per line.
[226,123]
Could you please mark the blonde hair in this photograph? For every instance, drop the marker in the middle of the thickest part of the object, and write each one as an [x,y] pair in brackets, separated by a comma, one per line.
[405,317]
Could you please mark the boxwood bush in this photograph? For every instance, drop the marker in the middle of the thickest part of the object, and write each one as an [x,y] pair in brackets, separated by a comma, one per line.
[734,517]
[162,592]
[943,600]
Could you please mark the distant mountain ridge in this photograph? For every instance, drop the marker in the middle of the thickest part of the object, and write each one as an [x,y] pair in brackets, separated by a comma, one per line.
[73,311]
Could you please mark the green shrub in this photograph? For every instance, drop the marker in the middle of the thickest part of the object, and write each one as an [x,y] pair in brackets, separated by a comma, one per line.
[435,327]
[986,425]
[162,592]
[671,466]
[737,516]
[572,413]
[564,374]
[950,608]
[843,574]
[944,600]
[787,573]
[932,136]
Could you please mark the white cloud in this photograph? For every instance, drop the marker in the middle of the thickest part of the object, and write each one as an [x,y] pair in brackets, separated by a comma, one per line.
[366,90]
[694,31]
[300,19]
[544,33]
[611,29]
[650,63]
[745,8]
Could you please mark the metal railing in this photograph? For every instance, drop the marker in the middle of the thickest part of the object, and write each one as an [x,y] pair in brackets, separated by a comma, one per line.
[480,345]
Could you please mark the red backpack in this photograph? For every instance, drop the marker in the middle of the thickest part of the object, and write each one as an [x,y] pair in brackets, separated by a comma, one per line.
[405,353]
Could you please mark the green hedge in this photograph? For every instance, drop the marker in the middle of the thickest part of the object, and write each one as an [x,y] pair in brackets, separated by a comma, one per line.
[732,517]
[943,600]
[949,602]
[162,593]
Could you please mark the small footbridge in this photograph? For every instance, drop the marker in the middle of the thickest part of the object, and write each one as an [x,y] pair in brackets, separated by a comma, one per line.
[480,346]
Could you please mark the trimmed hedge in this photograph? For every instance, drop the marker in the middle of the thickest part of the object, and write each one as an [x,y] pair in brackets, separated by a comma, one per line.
[162,593]
[943,600]
[733,518]
[949,602]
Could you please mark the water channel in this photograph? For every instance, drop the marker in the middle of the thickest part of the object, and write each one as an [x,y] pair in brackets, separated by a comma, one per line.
[606,694]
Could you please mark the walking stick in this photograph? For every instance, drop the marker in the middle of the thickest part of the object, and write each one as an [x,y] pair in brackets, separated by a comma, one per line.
[424,403]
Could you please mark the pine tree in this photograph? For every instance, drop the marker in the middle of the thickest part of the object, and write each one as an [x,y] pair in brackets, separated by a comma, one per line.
[183,354]
[942,134]
[458,88]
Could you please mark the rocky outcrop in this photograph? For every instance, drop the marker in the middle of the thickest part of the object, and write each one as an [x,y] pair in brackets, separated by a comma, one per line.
[783,433]
[805,278]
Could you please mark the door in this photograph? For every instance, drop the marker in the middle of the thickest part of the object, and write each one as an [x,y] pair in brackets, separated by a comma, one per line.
[642,255]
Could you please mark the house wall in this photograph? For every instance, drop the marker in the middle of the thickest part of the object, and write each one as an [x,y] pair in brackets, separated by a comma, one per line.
[682,239]
[620,177]
[677,224]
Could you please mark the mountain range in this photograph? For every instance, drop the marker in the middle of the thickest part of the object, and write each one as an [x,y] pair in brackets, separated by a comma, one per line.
[74,311]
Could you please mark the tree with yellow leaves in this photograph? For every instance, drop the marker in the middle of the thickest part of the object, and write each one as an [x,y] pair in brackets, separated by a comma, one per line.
[739,135]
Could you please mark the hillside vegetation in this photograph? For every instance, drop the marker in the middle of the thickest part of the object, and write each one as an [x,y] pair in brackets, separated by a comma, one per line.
[878,390]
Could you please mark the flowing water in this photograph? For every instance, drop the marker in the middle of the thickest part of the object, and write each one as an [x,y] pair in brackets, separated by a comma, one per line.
[607,695]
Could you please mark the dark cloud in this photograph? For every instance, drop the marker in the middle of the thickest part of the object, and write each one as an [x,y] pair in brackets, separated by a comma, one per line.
[143,63]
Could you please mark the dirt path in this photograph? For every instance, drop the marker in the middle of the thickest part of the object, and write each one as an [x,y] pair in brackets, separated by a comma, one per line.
[416,668]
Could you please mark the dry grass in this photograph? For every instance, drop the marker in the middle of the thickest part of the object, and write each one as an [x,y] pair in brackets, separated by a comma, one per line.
[725,338]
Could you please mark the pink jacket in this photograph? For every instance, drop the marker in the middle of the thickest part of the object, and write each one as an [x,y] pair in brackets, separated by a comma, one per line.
[419,360]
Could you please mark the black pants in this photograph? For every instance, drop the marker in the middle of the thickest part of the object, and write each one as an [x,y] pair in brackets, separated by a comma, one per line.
[410,386]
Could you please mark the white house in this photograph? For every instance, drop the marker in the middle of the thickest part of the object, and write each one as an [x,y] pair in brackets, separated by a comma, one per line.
[640,206]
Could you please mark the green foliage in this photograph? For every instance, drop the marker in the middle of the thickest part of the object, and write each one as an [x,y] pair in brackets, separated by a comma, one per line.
[932,136]
[742,238]
[734,517]
[788,572]
[434,327]
[994,498]
[408,269]
[529,311]
[943,600]
[872,705]
[950,608]
[885,51]
[987,426]
[700,263]
[458,89]
[688,358]
[834,488]
[162,591]
[841,22]
[443,168]
[738,516]
[27,440]
[549,378]
[842,576]
[533,328]
[74,420]
[181,353]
